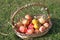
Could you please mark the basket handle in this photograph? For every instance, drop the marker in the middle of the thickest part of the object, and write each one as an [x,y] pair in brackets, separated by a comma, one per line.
[25,6]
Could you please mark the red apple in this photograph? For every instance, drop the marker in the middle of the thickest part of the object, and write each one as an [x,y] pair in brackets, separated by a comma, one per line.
[46,25]
[31,26]
[36,31]
[30,31]
[42,29]
[22,29]
[25,22]
[28,16]
[29,20]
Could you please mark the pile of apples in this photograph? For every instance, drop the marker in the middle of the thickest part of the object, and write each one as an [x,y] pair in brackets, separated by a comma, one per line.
[30,25]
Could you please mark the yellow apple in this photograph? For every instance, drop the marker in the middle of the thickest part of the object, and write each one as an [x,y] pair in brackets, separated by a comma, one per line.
[36,26]
[34,21]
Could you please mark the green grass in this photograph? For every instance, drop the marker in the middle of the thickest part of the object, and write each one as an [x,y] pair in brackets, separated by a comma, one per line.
[7,7]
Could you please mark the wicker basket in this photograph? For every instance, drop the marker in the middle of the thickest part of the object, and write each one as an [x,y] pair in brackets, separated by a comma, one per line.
[33,35]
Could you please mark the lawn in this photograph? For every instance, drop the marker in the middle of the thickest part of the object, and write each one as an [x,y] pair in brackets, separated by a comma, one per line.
[7,7]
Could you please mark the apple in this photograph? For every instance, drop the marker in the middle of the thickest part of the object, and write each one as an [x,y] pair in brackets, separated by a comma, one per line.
[31,26]
[18,24]
[36,26]
[30,31]
[29,20]
[36,31]
[35,21]
[46,25]
[25,22]
[42,29]
[41,20]
[28,16]
[22,29]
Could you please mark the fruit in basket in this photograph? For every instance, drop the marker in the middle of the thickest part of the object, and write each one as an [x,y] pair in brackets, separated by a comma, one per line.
[36,31]
[18,24]
[28,16]
[36,26]
[30,26]
[30,31]
[41,20]
[46,25]
[25,22]
[42,29]
[34,21]
[22,29]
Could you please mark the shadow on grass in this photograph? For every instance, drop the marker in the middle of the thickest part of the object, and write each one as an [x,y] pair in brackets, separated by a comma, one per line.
[55,28]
